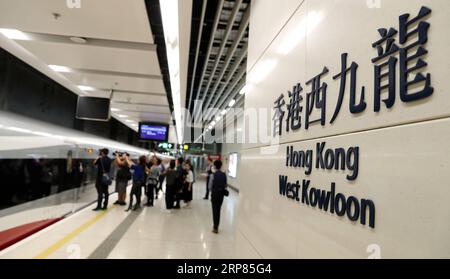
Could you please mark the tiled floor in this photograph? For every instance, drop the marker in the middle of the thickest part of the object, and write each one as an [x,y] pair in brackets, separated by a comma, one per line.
[149,233]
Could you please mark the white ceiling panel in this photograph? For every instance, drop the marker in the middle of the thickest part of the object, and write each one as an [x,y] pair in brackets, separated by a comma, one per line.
[144,99]
[124,20]
[144,85]
[140,108]
[95,58]
[119,52]
[151,117]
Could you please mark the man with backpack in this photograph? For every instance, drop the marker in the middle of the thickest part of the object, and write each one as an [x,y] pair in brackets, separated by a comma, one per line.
[104,179]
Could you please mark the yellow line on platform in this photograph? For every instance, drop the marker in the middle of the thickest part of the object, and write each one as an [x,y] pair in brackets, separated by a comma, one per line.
[50,250]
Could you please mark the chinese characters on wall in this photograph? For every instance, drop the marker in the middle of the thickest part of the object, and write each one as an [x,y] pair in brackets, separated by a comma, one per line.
[400,56]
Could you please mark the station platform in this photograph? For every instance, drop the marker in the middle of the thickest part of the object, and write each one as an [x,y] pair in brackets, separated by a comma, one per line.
[148,233]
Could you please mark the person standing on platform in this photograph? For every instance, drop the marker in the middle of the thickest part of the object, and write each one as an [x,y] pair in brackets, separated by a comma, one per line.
[103,163]
[122,177]
[189,162]
[218,187]
[188,185]
[181,179]
[171,185]
[209,171]
[162,173]
[139,174]
[152,181]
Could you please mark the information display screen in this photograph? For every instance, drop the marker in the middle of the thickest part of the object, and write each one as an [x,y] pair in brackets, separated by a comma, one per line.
[92,108]
[153,132]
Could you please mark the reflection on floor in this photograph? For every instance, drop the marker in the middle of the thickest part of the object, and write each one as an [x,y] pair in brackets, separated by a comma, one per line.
[147,233]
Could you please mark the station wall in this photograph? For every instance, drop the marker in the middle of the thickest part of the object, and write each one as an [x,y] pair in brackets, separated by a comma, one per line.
[397,143]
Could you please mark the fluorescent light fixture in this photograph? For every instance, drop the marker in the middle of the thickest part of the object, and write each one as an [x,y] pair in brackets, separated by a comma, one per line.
[232,102]
[42,134]
[17,129]
[170,16]
[86,88]
[60,69]
[15,34]
[224,112]
[123,116]
[243,90]
[213,123]
[218,118]
[115,109]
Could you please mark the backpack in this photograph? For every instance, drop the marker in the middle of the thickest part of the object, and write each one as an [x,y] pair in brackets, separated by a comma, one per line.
[106,177]
[124,173]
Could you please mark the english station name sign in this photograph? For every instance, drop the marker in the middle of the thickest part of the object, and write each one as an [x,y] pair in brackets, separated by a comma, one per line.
[401,61]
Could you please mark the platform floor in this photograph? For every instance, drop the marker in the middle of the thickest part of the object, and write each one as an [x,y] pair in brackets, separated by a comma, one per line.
[150,233]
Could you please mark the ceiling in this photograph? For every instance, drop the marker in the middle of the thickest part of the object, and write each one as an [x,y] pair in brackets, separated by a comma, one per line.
[218,55]
[119,53]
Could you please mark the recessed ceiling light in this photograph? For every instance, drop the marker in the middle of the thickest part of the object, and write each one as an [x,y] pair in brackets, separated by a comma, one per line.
[78,40]
[218,118]
[15,34]
[224,112]
[243,90]
[123,116]
[231,104]
[86,88]
[60,69]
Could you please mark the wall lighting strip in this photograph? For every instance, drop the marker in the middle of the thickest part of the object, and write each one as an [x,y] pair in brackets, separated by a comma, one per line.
[169,15]
[14,34]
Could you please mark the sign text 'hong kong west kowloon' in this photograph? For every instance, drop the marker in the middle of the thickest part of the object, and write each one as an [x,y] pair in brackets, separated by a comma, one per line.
[399,57]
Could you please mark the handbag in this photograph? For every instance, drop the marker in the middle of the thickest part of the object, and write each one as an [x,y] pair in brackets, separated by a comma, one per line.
[106,178]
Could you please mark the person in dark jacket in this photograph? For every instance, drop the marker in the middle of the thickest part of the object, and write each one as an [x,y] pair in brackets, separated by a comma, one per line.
[103,163]
[218,188]
[139,176]
[181,179]
[171,185]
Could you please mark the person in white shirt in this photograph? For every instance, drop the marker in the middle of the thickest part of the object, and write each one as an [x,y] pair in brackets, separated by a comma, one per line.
[188,185]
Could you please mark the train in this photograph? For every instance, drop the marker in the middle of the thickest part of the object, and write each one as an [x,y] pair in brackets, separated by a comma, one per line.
[47,171]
